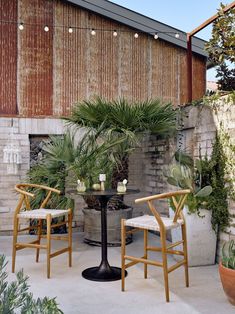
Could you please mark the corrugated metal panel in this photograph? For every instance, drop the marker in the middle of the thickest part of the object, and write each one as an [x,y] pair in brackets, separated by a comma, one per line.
[70,63]
[8,57]
[199,77]
[57,69]
[140,22]
[35,65]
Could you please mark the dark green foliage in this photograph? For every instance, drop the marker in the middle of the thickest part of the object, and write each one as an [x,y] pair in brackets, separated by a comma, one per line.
[218,199]
[15,297]
[123,117]
[226,77]
[63,159]
[221,46]
[111,120]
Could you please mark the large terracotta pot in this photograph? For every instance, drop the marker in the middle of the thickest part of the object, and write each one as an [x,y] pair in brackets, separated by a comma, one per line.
[227,277]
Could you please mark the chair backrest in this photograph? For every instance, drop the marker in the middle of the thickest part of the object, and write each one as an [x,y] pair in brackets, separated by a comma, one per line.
[178,199]
[25,195]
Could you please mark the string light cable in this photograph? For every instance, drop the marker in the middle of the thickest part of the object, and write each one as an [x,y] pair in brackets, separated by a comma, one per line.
[93,31]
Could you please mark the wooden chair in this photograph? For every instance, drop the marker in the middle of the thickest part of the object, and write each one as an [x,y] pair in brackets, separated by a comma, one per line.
[161,224]
[24,211]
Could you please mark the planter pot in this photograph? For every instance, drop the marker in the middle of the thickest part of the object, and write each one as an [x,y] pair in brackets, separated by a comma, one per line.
[227,277]
[201,238]
[92,226]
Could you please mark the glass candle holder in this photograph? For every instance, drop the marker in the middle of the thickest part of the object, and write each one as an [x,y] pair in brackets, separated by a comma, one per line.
[81,187]
[121,187]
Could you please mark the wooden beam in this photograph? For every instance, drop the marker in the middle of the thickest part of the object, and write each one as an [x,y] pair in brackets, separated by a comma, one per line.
[189,47]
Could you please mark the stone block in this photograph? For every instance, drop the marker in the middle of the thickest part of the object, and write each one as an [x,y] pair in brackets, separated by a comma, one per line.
[152,183]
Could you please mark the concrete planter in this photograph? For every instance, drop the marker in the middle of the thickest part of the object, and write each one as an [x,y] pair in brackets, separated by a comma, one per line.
[201,238]
[92,226]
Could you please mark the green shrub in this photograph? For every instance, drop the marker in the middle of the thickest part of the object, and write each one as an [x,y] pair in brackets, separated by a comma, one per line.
[15,297]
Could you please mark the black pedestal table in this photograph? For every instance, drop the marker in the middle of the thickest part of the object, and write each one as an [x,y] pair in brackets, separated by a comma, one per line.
[104,272]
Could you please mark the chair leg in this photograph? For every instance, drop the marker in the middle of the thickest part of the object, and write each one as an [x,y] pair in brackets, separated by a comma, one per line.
[184,237]
[48,244]
[70,236]
[123,251]
[164,261]
[15,234]
[145,253]
[39,239]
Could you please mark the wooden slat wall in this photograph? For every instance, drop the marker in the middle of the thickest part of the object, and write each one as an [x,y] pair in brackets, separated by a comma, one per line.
[8,57]
[57,69]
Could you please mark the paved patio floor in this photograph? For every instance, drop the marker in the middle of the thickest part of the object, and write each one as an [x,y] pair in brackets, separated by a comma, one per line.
[77,295]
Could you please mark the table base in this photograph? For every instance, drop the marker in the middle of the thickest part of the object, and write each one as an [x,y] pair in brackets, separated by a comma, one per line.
[99,274]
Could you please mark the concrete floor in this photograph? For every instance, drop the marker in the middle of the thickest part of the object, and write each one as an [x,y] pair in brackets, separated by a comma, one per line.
[77,295]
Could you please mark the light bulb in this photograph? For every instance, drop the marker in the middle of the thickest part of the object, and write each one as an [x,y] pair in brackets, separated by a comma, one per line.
[115,33]
[136,35]
[46,28]
[70,30]
[155,36]
[21,26]
[177,35]
[93,32]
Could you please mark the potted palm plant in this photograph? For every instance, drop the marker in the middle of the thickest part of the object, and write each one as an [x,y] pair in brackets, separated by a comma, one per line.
[126,123]
[227,270]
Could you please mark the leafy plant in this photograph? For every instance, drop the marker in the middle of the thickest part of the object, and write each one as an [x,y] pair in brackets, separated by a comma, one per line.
[221,47]
[112,120]
[218,199]
[226,77]
[228,254]
[15,297]
[188,174]
[63,158]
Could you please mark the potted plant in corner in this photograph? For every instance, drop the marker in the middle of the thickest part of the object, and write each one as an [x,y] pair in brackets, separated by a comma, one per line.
[227,270]
[201,238]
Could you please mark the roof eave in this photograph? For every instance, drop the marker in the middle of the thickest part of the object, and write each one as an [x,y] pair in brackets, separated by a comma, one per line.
[141,23]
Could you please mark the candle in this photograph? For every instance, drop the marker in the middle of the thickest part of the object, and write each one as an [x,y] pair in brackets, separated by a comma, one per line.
[102,177]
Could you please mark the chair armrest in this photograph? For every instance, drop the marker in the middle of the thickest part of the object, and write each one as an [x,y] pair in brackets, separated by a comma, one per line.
[161,196]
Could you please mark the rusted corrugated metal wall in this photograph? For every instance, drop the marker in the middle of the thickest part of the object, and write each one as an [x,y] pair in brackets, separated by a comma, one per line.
[35,58]
[8,57]
[56,69]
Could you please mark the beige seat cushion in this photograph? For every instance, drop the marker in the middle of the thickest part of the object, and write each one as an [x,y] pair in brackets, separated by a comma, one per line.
[42,213]
[150,222]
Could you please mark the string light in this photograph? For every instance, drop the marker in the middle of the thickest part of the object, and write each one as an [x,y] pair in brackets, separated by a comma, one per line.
[21,26]
[155,36]
[93,32]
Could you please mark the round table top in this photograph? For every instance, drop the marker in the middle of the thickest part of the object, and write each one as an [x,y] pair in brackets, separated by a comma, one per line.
[107,192]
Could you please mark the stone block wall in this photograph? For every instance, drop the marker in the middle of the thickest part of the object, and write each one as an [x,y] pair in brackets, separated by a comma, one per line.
[146,163]
[199,128]
[17,131]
